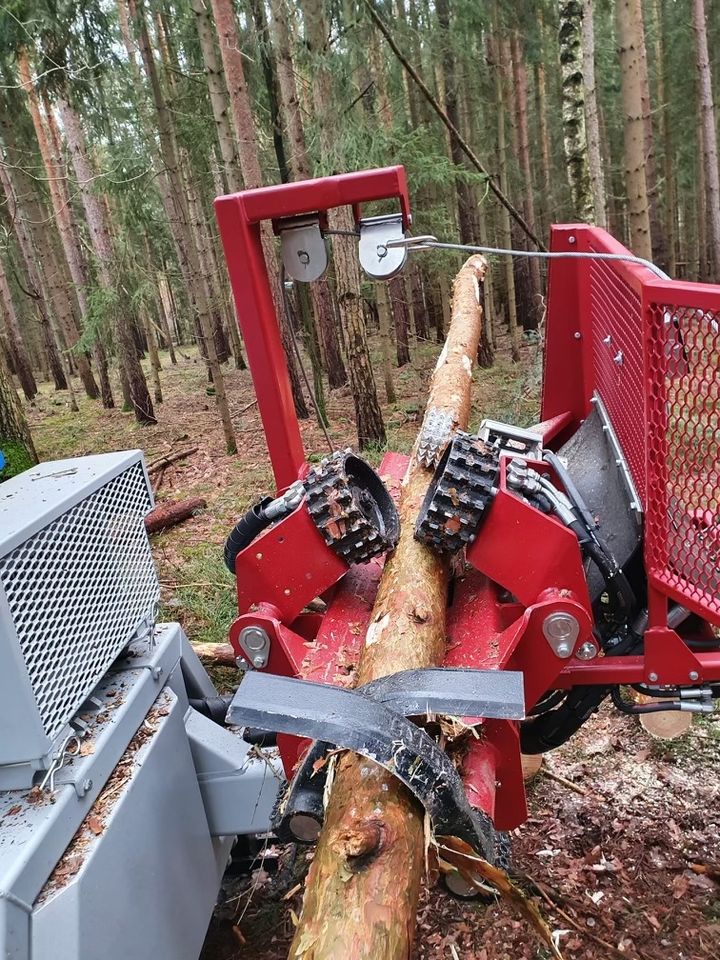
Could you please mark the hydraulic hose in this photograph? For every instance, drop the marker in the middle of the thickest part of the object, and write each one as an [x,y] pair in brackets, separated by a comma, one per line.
[245,531]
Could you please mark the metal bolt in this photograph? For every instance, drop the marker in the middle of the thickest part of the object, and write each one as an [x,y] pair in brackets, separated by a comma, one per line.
[652,677]
[561,631]
[86,786]
[259,661]
[286,592]
[586,651]
[241,663]
[618,358]
[258,556]
[577,335]
[254,638]
[694,675]
[571,240]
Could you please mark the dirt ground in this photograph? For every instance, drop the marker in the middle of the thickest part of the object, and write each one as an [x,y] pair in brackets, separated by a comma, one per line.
[623,852]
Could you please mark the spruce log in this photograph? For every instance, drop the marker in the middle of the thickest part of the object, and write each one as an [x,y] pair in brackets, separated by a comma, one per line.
[363,886]
[168,514]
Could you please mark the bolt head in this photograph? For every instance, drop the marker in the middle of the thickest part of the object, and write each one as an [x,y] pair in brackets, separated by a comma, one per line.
[87,785]
[587,651]
[694,675]
[652,677]
[571,240]
[563,649]
[577,335]
[258,662]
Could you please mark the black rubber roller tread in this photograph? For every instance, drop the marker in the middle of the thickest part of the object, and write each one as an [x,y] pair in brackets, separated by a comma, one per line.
[459,496]
[351,508]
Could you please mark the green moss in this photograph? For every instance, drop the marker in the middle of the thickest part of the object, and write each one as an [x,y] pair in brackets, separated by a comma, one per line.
[17,458]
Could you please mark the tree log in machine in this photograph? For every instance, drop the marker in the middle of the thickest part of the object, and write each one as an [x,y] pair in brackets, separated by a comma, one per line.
[553,567]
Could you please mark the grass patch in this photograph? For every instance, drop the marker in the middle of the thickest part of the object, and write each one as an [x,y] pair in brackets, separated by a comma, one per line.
[202,594]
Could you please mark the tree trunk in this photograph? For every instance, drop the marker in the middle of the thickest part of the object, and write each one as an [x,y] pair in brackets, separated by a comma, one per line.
[494,57]
[707,116]
[656,227]
[36,252]
[368,416]
[462,188]
[572,63]
[101,239]
[231,55]
[15,441]
[218,97]
[669,172]
[269,69]
[19,351]
[595,165]
[209,347]
[521,101]
[170,181]
[61,211]
[369,421]
[396,290]
[541,110]
[419,310]
[384,310]
[155,367]
[72,246]
[629,42]
[368,912]
[301,170]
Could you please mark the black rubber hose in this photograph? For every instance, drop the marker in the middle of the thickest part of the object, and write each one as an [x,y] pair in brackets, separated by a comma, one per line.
[570,489]
[552,729]
[214,708]
[245,531]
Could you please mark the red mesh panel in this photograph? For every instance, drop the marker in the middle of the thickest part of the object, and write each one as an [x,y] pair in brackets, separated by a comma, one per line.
[618,366]
[682,545]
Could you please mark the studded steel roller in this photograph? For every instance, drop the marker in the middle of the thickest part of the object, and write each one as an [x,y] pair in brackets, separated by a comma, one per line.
[459,496]
[351,507]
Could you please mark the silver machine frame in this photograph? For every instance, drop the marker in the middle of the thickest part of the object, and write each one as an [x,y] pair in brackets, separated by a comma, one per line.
[119,803]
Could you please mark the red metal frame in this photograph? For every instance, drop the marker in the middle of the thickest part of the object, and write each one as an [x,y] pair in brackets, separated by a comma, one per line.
[240,217]
[519,553]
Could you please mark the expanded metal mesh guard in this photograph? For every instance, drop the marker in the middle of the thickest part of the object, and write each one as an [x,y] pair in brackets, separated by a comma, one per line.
[683,446]
[77,591]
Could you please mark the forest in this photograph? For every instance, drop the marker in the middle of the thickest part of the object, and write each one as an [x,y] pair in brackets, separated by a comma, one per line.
[120,123]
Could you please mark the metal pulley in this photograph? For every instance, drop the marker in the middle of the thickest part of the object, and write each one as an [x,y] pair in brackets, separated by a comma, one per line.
[379,260]
[303,247]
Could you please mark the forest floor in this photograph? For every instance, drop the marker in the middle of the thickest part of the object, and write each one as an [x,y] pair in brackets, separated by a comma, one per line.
[625,863]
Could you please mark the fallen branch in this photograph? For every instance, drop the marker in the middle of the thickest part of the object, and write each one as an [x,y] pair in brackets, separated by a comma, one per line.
[362,889]
[568,784]
[163,462]
[171,513]
[576,925]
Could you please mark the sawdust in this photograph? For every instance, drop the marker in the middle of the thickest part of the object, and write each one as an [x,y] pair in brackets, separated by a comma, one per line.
[95,822]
